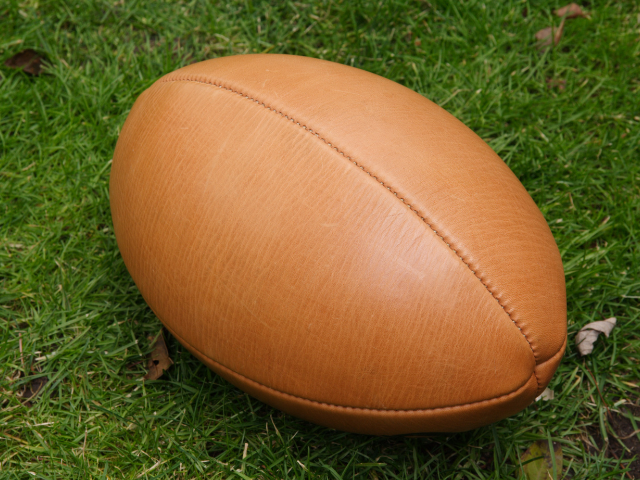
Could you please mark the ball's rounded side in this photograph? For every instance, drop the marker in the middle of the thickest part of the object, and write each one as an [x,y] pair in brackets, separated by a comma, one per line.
[366,265]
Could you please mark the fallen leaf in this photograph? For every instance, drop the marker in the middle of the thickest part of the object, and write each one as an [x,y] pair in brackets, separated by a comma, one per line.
[159,359]
[547,395]
[588,334]
[558,83]
[550,35]
[27,60]
[537,462]
[572,10]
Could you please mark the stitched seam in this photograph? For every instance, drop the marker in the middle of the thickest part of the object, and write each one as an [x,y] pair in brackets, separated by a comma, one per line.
[361,167]
[417,410]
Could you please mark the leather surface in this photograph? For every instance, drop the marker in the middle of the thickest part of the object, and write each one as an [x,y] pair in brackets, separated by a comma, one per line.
[337,245]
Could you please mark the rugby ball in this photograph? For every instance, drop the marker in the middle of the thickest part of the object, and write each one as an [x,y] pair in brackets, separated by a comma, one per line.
[337,246]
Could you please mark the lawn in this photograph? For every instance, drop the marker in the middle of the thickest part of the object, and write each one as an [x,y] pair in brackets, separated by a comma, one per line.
[75,332]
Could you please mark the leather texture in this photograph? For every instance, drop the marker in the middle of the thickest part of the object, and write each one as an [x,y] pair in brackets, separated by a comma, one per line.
[337,245]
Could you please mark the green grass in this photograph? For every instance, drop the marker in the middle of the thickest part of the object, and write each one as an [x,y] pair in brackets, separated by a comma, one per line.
[66,296]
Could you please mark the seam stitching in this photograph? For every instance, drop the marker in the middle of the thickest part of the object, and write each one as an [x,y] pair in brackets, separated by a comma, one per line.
[391,410]
[361,167]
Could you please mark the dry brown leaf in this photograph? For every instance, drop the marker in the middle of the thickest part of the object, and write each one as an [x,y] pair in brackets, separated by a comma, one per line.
[588,334]
[546,395]
[550,35]
[27,60]
[558,83]
[159,359]
[572,10]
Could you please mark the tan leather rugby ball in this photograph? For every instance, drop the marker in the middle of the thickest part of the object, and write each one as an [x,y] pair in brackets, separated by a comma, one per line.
[337,246]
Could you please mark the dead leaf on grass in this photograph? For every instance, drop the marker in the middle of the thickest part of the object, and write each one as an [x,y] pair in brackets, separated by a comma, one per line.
[159,359]
[537,461]
[547,395]
[27,60]
[572,10]
[550,35]
[558,83]
[588,334]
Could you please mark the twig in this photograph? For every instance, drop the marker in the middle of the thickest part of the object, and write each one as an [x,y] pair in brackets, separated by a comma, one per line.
[630,435]
[20,348]
[244,455]
[597,388]
[159,462]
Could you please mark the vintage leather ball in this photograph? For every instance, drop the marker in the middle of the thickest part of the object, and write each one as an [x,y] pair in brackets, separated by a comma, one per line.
[337,246]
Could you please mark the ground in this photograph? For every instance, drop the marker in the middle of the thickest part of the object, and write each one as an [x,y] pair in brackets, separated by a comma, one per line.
[75,330]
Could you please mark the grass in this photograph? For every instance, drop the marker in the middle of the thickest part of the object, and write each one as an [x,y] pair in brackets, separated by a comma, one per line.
[69,305]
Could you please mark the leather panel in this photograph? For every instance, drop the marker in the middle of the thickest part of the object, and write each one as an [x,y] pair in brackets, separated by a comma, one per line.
[457,418]
[438,165]
[316,280]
